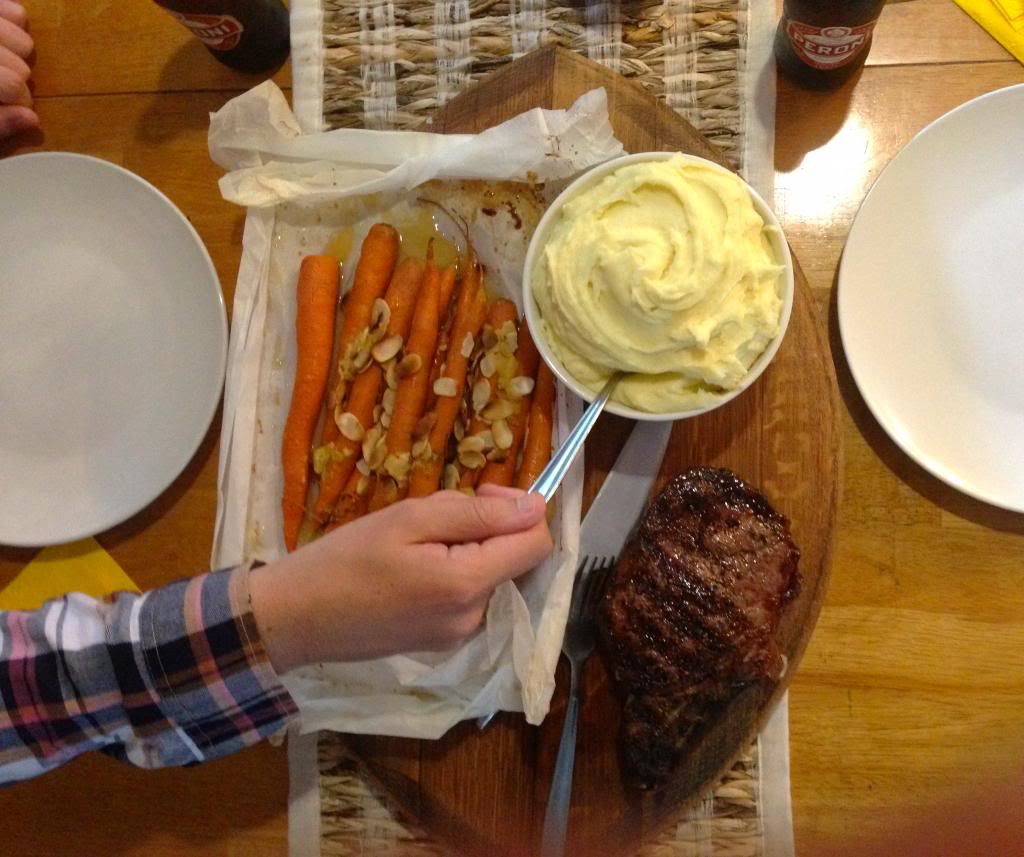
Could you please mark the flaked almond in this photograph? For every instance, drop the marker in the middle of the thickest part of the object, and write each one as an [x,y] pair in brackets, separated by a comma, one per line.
[384,350]
[361,360]
[387,401]
[397,466]
[502,434]
[377,411]
[507,365]
[351,428]
[481,394]
[385,419]
[380,315]
[425,424]
[488,438]
[472,460]
[374,447]
[467,346]
[473,443]
[451,477]
[489,338]
[370,441]
[444,386]
[378,454]
[409,365]
[421,449]
[488,365]
[500,409]
[363,467]
[363,486]
[391,375]
[520,386]
[459,429]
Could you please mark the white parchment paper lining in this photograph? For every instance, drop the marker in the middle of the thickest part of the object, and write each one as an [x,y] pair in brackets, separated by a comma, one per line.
[300,190]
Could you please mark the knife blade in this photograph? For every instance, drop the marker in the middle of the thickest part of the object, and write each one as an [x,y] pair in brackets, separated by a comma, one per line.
[623,495]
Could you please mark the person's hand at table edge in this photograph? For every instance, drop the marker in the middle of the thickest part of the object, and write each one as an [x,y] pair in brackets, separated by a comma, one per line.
[414,576]
[16,113]
[189,672]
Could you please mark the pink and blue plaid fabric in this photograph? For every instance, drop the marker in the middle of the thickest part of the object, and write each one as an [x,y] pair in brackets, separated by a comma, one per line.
[176,676]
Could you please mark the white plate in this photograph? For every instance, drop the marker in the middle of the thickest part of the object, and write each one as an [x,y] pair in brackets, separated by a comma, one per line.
[113,342]
[931,298]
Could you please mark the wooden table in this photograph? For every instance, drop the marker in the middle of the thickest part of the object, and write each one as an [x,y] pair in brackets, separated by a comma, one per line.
[913,684]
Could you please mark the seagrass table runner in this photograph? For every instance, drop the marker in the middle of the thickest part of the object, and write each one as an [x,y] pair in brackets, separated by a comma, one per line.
[389,64]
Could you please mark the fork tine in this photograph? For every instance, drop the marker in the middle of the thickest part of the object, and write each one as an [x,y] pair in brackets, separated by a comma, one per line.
[583,573]
[596,585]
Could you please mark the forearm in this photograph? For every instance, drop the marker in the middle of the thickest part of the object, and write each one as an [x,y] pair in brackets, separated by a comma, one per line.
[176,676]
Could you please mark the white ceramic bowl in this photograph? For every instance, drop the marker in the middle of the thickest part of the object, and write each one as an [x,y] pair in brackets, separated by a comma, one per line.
[539,239]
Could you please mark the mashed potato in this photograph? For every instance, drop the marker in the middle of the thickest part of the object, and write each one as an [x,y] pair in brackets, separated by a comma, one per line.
[664,270]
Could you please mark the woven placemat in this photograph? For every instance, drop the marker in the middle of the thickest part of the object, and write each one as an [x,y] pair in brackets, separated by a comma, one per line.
[358,818]
[390,64]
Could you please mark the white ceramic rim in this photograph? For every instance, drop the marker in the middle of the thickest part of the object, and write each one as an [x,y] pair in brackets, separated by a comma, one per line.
[594,175]
[104,524]
[925,461]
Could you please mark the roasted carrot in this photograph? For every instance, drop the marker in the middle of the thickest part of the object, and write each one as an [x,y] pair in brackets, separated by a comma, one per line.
[317,299]
[500,313]
[448,319]
[469,316]
[411,396]
[447,288]
[537,450]
[503,472]
[343,452]
[377,259]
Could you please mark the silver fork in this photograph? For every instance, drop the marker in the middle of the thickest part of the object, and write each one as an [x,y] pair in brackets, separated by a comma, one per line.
[578,645]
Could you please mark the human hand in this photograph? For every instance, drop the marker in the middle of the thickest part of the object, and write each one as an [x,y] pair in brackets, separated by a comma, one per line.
[16,113]
[414,576]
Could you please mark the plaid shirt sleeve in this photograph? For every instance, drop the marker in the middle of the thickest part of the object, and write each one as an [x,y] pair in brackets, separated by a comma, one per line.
[175,676]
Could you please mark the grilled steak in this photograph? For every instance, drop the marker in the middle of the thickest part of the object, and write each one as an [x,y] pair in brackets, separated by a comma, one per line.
[691,611]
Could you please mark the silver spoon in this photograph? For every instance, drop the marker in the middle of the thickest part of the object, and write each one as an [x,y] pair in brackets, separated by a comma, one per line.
[552,475]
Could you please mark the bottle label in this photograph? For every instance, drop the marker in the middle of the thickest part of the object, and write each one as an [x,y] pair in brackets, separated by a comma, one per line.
[220,32]
[828,47]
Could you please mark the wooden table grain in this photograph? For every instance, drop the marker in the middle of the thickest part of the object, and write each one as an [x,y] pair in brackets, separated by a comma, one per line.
[912,686]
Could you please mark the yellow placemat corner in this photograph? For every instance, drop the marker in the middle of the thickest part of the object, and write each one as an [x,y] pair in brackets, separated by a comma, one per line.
[1001,19]
[82,566]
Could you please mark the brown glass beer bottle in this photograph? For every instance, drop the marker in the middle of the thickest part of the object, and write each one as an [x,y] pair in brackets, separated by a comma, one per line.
[248,35]
[822,43]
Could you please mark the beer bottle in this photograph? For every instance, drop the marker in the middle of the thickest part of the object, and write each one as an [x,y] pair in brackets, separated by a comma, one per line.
[822,43]
[247,35]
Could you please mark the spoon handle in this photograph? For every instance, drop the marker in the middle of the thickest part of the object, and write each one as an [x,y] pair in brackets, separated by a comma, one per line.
[551,476]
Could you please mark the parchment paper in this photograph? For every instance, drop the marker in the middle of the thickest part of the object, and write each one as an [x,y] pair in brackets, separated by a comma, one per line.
[300,191]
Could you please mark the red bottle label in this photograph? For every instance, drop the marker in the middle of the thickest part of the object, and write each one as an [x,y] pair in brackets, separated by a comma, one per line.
[828,47]
[220,32]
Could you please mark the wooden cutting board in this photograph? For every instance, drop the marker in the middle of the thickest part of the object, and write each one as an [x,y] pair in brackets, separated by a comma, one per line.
[484,793]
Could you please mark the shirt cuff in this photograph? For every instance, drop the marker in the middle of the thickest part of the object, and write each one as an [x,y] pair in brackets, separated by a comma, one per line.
[207,665]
